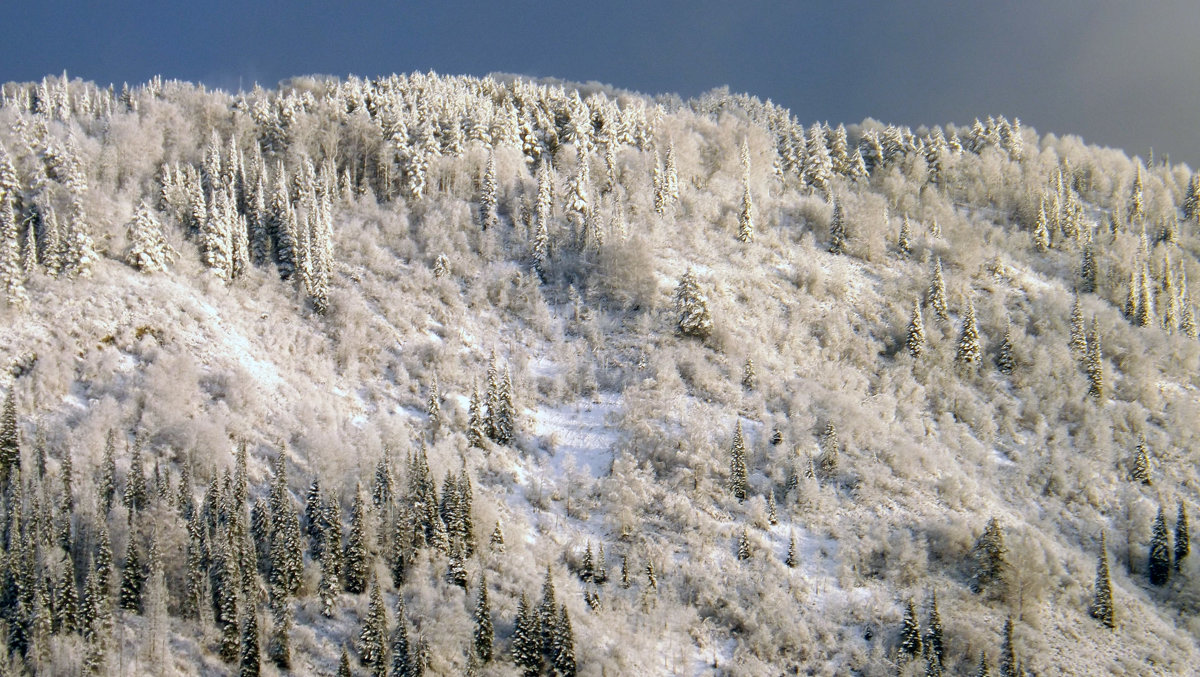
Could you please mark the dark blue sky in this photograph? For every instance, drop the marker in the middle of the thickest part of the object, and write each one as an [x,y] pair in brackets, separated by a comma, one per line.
[1117,73]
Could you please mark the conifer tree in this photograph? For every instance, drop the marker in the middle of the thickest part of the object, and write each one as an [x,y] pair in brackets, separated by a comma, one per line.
[991,557]
[1183,541]
[969,352]
[563,645]
[935,643]
[330,583]
[903,241]
[433,405]
[227,594]
[344,665]
[1095,363]
[1078,341]
[355,558]
[660,186]
[488,217]
[484,633]
[1008,652]
[915,341]
[1145,302]
[936,298]
[67,612]
[737,465]
[749,378]
[1005,360]
[1041,234]
[984,670]
[133,578]
[746,217]
[743,546]
[477,420]
[10,443]
[12,274]
[670,175]
[1102,602]
[1137,210]
[1191,199]
[148,249]
[526,647]
[910,634]
[691,307]
[497,539]
[1160,551]
[372,639]
[790,561]
[830,449]
[1140,472]
[578,204]
[280,647]
[837,229]
[1087,269]
[250,659]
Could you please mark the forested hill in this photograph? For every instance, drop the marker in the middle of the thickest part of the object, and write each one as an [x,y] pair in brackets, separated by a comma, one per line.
[488,376]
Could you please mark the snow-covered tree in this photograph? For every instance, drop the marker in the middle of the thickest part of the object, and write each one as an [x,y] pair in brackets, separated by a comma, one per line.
[488,193]
[1094,363]
[746,216]
[1159,568]
[1140,470]
[991,557]
[969,351]
[936,297]
[737,465]
[148,249]
[691,307]
[837,229]
[1183,541]
[1102,601]
[910,634]
[915,339]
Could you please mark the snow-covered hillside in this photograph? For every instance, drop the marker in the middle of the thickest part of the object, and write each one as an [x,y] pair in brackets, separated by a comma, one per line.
[297,374]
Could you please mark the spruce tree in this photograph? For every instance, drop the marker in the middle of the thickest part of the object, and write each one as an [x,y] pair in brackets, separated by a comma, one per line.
[910,634]
[108,469]
[433,405]
[250,659]
[990,555]
[344,665]
[691,307]
[1102,601]
[133,578]
[1160,551]
[12,274]
[746,216]
[837,229]
[903,241]
[830,450]
[936,298]
[526,646]
[484,633]
[10,443]
[477,421]
[1005,361]
[1008,652]
[743,546]
[1183,542]
[749,378]
[329,584]
[1140,472]
[1041,234]
[355,557]
[790,561]
[737,465]
[969,352]
[915,341]
[984,670]
[1078,341]
[280,648]
[1095,363]
[1087,269]
[488,217]
[563,645]
[372,638]
[148,249]
[935,643]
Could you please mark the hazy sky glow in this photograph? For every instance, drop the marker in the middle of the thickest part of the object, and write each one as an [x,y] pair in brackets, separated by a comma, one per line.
[1117,73]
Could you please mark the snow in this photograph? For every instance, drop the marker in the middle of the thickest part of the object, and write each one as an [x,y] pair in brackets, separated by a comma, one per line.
[579,433]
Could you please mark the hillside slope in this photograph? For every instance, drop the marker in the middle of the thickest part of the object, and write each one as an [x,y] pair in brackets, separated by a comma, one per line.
[346,252]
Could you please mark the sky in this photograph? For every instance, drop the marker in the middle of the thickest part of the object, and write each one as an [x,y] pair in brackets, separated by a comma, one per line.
[1117,73]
